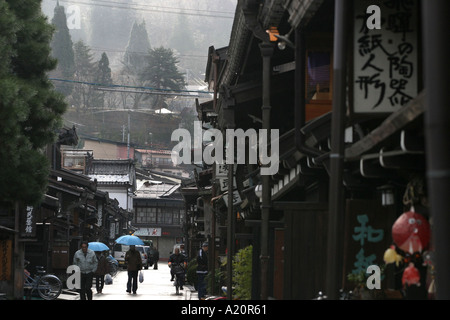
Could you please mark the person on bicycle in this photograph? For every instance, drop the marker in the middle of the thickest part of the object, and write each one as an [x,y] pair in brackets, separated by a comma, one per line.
[177,259]
[87,261]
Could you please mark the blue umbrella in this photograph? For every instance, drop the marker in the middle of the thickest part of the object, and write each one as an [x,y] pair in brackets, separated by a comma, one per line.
[130,240]
[97,246]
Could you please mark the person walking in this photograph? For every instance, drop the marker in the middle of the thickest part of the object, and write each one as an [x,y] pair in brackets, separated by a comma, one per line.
[134,264]
[86,260]
[102,270]
[202,270]
[155,258]
[183,252]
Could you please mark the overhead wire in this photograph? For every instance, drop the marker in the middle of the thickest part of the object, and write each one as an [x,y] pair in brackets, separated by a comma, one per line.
[128,86]
[147,8]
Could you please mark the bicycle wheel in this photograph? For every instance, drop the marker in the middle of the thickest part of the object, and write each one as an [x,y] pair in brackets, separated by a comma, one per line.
[49,287]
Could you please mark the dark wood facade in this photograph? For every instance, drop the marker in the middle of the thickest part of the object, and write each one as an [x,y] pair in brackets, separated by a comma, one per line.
[335,161]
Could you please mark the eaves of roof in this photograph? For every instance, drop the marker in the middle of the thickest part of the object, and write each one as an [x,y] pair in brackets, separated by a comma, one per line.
[270,13]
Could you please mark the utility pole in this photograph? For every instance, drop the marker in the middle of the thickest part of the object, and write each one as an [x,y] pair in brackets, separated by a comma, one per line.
[336,189]
[266,51]
[128,137]
[437,132]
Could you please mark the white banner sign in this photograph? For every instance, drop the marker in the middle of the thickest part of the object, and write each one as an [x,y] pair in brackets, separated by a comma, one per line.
[385,55]
[148,232]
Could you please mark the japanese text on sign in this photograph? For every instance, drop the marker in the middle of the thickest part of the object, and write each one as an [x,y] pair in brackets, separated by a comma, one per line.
[362,233]
[385,64]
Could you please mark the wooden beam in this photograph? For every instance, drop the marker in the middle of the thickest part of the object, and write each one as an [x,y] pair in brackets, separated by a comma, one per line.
[391,125]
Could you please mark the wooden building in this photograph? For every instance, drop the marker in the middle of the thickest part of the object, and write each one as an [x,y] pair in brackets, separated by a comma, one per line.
[342,82]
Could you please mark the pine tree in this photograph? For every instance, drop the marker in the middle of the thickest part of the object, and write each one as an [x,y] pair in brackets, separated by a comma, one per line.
[137,48]
[30,109]
[134,61]
[103,76]
[62,50]
[104,71]
[162,73]
[84,96]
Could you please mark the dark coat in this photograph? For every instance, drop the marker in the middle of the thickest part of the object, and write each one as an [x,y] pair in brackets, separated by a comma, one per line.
[102,267]
[202,261]
[134,260]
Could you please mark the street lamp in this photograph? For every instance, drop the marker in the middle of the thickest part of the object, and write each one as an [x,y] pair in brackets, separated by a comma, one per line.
[387,195]
[258,191]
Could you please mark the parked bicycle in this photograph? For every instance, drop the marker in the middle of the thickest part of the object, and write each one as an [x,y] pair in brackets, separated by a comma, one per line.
[48,286]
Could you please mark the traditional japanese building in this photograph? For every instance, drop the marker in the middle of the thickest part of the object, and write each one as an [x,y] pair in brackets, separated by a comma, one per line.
[342,83]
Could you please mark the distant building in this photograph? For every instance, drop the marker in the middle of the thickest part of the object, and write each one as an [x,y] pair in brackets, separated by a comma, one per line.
[117,177]
[159,160]
[159,213]
[107,149]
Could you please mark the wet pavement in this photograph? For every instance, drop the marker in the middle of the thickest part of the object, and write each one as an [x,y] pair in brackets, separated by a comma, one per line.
[156,286]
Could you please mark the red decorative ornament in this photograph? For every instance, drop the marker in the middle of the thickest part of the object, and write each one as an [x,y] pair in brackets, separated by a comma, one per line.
[411,232]
[411,275]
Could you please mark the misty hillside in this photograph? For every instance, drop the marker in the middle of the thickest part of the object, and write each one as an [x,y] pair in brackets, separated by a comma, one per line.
[188,26]
[123,29]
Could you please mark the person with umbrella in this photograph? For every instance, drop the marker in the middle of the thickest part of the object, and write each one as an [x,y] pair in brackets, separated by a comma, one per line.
[134,264]
[101,251]
[101,271]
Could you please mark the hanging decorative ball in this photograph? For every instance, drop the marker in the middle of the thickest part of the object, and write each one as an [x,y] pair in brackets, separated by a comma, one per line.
[411,232]
[411,275]
[391,256]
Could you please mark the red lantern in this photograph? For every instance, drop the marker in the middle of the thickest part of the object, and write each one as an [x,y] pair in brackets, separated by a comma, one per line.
[411,275]
[411,232]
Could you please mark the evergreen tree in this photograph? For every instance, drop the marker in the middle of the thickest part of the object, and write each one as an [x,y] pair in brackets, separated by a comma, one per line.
[137,48]
[84,96]
[103,76]
[62,50]
[104,71]
[30,109]
[162,73]
[134,61]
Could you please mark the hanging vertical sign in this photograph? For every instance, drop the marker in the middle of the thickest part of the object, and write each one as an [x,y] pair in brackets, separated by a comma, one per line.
[385,55]
[5,260]
[28,225]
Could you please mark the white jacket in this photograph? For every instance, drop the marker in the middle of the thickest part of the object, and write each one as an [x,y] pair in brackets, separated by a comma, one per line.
[86,263]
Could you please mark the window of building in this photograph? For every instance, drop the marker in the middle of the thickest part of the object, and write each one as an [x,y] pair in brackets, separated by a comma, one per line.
[318,76]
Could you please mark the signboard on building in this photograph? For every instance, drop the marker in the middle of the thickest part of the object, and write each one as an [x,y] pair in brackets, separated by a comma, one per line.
[367,236]
[222,170]
[28,223]
[236,198]
[5,260]
[223,182]
[148,232]
[385,69]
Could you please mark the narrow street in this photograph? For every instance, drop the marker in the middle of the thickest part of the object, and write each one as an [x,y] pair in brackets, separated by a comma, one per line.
[156,286]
